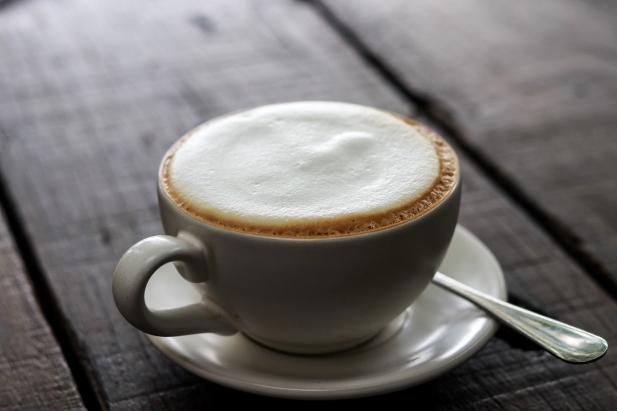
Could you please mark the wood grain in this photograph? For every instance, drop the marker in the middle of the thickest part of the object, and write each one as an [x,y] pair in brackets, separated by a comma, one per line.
[530,86]
[33,373]
[94,93]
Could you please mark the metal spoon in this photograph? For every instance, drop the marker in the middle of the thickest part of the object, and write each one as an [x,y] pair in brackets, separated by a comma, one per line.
[565,342]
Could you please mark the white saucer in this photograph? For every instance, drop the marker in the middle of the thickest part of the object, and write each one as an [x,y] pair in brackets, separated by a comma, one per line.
[437,333]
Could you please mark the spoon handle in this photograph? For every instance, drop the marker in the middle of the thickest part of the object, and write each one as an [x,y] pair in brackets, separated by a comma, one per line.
[565,342]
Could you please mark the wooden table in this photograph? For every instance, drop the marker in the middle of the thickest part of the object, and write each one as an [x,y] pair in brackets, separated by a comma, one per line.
[93,93]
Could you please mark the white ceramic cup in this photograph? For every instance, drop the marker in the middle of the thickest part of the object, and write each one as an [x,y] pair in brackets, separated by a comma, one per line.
[299,295]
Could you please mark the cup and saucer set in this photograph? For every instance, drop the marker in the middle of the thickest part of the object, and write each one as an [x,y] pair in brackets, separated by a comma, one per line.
[438,332]
[253,288]
[347,310]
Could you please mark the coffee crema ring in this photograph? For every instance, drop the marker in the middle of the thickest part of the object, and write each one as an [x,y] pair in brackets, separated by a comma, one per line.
[355,223]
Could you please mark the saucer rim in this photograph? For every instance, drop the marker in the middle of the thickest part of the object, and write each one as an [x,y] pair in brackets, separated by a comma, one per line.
[359,391]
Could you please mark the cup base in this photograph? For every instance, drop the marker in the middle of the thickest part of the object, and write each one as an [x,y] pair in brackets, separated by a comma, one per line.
[299,349]
[382,335]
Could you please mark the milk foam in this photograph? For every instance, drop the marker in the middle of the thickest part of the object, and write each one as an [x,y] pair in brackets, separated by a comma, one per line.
[306,168]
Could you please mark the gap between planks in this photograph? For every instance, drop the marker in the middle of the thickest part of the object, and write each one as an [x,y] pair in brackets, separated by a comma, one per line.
[49,306]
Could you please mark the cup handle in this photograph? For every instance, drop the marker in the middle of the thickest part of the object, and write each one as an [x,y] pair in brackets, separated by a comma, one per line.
[134,271]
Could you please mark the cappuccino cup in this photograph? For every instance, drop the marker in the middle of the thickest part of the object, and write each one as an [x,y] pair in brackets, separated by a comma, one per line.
[307,226]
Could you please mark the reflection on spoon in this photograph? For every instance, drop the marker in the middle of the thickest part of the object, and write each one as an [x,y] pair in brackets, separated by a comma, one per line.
[565,342]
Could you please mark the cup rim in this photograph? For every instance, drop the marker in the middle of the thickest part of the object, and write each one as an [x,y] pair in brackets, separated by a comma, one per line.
[164,195]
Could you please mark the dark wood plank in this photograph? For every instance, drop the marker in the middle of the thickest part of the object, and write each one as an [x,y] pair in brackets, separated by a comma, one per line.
[608,7]
[33,373]
[88,110]
[530,86]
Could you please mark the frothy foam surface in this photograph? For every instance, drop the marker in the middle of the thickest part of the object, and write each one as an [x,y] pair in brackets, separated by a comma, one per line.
[308,169]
